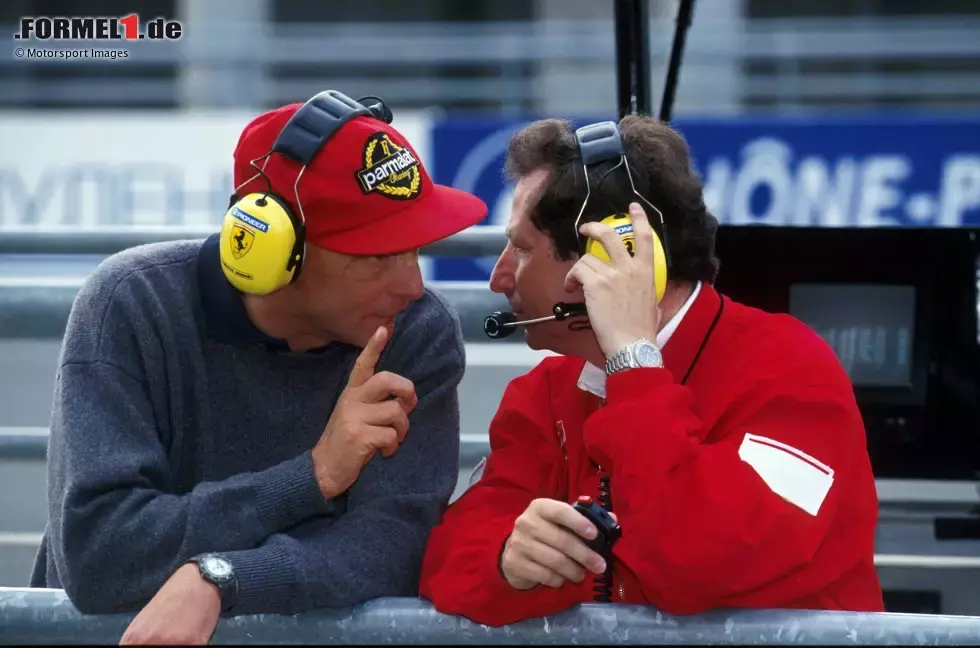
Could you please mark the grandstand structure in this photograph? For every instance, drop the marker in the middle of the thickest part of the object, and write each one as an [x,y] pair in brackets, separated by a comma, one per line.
[515,57]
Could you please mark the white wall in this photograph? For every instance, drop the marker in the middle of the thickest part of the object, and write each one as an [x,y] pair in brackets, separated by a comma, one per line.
[129,169]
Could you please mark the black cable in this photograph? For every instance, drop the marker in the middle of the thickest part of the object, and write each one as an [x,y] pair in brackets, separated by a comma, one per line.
[684,13]
[602,589]
[602,585]
[704,342]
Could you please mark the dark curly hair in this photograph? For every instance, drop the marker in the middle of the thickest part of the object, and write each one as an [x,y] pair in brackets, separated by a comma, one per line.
[660,163]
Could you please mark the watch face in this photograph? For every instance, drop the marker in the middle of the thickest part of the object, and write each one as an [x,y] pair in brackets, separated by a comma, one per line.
[647,355]
[218,567]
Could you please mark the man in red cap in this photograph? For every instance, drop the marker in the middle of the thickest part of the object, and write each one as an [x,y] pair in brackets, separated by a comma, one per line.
[224,451]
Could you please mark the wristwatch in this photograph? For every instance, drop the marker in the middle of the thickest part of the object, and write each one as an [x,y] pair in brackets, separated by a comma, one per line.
[642,353]
[218,570]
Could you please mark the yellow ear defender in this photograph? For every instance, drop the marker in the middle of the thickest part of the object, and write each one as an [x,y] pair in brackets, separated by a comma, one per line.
[602,142]
[263,241]
[262,244]
[623,225]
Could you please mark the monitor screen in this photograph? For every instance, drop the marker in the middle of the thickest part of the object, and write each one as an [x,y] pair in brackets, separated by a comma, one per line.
[871,327]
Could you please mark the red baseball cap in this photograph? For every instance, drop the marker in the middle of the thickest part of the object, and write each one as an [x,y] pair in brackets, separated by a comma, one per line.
[365,193]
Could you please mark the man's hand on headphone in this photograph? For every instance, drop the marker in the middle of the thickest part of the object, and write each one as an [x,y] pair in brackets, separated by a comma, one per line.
[621,295]
[366,420]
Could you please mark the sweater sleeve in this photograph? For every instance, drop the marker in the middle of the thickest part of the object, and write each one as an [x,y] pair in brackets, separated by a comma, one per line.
[117,525]
[375,547]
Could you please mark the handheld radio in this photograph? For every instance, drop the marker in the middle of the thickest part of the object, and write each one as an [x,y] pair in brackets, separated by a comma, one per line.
[608,529]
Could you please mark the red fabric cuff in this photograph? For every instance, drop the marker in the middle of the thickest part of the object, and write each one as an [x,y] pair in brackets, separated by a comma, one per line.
[634,383]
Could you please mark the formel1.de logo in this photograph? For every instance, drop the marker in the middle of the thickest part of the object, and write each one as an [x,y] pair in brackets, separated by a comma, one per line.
[97,28]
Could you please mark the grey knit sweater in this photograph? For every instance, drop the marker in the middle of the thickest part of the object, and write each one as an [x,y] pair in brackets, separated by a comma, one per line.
[179,428]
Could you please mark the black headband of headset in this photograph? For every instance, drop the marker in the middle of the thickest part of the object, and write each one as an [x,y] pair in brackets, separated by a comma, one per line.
[316,121]
[600,142]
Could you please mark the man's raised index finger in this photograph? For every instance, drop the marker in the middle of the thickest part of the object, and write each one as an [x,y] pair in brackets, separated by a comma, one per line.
[368,359]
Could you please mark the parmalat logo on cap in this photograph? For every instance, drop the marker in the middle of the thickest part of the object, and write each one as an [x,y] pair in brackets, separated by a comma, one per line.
[389,169]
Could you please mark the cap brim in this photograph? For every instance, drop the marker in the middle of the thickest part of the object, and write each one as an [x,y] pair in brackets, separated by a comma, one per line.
[444,212]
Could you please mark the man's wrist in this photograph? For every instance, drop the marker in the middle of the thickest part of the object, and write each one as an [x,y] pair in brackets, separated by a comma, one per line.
[639,353]
[520,584]
[205,584]
[328,488]
[217,571]
[615,345]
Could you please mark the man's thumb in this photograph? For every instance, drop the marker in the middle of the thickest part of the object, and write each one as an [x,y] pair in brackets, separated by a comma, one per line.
[368,359]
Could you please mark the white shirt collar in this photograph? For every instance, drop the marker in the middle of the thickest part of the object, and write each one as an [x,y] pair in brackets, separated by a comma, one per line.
[593,378]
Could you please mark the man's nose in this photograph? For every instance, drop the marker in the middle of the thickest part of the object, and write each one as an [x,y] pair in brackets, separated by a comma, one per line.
[502,277]
[408,281]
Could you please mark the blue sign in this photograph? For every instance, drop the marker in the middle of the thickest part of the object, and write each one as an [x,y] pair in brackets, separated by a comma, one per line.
[835,172]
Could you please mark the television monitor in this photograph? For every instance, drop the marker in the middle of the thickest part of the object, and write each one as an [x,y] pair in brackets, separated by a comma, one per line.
[871,328]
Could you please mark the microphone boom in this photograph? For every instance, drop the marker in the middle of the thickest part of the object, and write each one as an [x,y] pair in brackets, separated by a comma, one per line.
[502,324]
[499,325]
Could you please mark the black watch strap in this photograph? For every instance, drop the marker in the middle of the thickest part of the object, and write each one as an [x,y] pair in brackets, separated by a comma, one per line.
[218,570]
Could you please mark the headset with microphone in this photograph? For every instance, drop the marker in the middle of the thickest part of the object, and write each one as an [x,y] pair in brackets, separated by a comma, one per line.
[263,241]
[597,143]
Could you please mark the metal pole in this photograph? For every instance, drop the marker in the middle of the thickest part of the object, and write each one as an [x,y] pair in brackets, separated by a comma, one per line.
[684,13]
[927,562]
[632,57]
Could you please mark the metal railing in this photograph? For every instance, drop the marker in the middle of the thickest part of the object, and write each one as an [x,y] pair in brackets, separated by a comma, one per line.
[48,617]
[31,444]
[474,242]
[39,309]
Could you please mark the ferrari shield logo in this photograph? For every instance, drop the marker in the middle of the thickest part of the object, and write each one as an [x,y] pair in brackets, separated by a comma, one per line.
[241,241]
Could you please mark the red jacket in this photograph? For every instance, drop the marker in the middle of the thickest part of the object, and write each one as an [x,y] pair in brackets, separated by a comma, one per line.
[704,476]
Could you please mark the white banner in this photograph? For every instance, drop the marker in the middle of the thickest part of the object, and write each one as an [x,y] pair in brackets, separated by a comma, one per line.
[84,170]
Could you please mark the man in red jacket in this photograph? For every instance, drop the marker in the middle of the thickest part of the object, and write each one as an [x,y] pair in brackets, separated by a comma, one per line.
[726,440]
